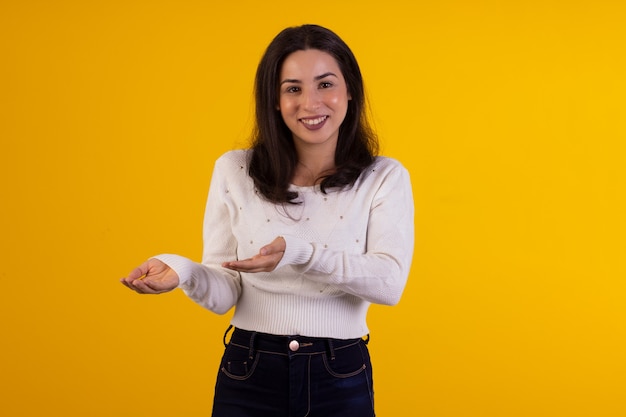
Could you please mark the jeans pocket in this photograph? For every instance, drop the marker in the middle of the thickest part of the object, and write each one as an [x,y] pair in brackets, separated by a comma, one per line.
[346,362]
[237,363]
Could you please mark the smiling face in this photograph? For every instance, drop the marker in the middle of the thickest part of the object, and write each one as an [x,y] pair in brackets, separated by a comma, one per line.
[313,99]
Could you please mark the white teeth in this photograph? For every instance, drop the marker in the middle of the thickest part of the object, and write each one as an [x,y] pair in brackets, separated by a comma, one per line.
[312,122]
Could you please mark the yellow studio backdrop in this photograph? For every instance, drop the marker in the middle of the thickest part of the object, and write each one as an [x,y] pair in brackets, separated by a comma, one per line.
[510,116]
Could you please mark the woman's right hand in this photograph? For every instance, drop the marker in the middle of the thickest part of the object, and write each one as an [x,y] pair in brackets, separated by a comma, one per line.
[151,277]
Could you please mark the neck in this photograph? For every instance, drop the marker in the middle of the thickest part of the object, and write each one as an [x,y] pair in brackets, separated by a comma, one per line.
[313,165]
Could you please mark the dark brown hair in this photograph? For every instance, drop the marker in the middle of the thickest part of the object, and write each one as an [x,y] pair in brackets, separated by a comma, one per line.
[274,158]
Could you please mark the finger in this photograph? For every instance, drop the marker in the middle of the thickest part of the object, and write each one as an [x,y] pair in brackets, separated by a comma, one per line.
[254,264]
[276,246]
[140,271]
[127,281]
[236,266]
[246,265]
[157,286]
[126,284]
[141,287]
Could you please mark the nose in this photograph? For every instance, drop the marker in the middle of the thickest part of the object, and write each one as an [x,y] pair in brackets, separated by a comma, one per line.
[310,99]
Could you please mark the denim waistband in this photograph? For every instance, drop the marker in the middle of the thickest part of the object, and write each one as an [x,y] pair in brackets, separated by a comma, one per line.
[287,345]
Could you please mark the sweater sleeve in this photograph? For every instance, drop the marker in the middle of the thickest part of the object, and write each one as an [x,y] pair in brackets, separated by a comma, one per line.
[208,283]
[379,275]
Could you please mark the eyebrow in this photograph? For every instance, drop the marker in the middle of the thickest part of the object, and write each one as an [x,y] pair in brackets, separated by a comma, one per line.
[317,78]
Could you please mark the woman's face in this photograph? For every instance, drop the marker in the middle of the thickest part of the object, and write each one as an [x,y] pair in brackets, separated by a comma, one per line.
[313,99]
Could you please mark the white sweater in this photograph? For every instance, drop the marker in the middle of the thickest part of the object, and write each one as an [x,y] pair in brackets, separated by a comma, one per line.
[345,249]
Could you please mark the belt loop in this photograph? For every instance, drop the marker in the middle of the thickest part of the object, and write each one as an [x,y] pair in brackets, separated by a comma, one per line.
[331,349]
[225,334]
[251,353]
[367,339]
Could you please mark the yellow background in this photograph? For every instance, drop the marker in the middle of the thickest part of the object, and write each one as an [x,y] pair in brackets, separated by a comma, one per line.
[510,116]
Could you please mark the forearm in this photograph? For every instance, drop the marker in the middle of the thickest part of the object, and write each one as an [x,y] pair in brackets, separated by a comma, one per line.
[378,277]
[213,287]
[378,271]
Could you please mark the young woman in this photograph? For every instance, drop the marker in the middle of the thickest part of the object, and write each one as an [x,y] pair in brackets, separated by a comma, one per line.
[302,232]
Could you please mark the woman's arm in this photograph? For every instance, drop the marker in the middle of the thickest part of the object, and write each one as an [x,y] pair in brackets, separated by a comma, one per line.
[209,283]
[379,275]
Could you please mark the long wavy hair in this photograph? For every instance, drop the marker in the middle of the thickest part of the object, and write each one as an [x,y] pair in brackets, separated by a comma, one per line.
[274,157]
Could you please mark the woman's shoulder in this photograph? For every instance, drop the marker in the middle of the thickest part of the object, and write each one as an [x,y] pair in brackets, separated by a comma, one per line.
[384,169]
[237,159]
[387,164]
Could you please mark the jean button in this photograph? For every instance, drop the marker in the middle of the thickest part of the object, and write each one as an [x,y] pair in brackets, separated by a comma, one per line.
[294,345]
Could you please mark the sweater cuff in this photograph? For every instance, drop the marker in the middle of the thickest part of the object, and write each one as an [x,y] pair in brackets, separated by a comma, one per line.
[297,252]
[181,265]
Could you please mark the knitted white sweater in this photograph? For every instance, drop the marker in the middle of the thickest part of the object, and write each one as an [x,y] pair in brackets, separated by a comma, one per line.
[345,250]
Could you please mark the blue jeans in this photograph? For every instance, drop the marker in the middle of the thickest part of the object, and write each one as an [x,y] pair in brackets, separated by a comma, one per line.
[293,376]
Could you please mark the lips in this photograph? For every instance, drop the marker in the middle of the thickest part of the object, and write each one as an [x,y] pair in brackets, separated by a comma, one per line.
[314,123]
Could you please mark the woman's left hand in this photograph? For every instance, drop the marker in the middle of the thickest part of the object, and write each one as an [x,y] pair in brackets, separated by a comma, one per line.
[265,261]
